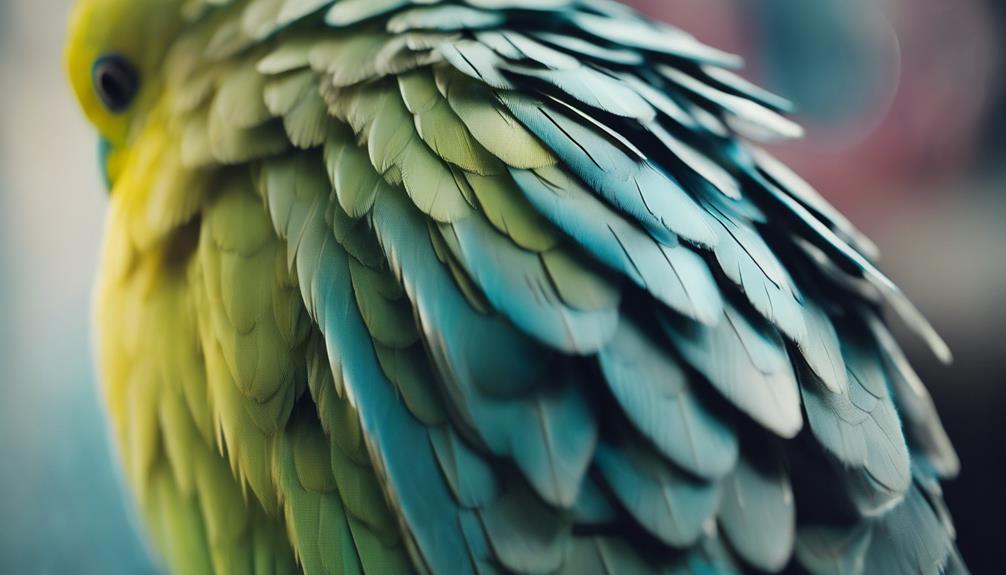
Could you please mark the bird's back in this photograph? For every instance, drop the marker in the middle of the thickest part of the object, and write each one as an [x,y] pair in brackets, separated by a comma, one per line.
[498,285]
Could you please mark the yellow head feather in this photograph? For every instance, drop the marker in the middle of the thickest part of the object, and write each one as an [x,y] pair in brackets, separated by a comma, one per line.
[136,32]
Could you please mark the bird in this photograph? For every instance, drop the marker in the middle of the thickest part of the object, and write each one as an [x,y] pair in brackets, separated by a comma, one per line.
[487,286]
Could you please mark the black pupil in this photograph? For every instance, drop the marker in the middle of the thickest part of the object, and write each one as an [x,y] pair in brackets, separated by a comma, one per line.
[116,82]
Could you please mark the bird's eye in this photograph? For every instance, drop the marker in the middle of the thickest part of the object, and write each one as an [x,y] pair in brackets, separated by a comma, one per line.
[116,81]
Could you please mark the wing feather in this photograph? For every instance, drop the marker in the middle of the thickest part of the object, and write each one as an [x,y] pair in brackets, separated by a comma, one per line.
[512,290]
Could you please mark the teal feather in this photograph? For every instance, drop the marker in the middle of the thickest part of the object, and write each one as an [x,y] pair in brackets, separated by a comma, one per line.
[555,444]
[922,425]
[794,185]
[834,550]
[345,13]
[672,274]
[821,350]
[400,444]
[826,239]
[518,47]
[636,187]
[581,48]
[595,89]
[470,476]
[478,542]
[553,457]
[517,284]
[730,81]
[444,18]
[526,535]
[594,505]
[483,331]
[860,426]
[750,263]
[709,557]
[602,555]
[476,60]
[658,398]
[703,166]
[748,364]
[757,513]
[663,101]
[529,5]
[446,318]
[955,564]
[662,39]
[667,502]
[743,114]
[910,540]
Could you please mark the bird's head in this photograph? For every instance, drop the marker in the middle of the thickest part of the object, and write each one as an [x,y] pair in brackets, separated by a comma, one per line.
[114,52]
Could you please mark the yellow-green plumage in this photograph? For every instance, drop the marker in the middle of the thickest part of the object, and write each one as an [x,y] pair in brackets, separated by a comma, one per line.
[484,286]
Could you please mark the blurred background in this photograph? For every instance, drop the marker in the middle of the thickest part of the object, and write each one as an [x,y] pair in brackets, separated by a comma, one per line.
[905,105]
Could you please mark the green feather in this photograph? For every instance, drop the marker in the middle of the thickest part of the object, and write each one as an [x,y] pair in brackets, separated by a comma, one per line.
[537,284]
[580,283]
[494,128]
[355,182]
[440,127]
[505,207]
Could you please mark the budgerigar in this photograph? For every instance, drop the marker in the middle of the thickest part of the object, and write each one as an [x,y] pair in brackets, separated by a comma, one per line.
[487,286]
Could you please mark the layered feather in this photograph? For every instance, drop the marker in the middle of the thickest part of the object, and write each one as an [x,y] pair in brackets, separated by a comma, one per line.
[499,285]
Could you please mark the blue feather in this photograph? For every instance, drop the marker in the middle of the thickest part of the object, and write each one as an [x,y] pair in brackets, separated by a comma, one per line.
[477,354]
[448,322]
[638,188]
[517,284]
[822,351]
[673,274]
[603,555]
[922,424]
[668,503]
[349,12]
[750,264]
[834,550]
[526,535]
[757,513]
[748,365]
[400,444]
[592,88]
[471,478]
[911,540]
[584,49]
[444,18]
[658,398]
[860,426]
[595,505]
[663,39]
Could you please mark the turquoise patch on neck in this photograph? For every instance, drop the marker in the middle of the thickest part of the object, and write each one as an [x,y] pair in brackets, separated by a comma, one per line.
[104,150]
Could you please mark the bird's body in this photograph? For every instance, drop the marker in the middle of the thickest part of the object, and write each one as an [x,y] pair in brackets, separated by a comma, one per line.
[494,285]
